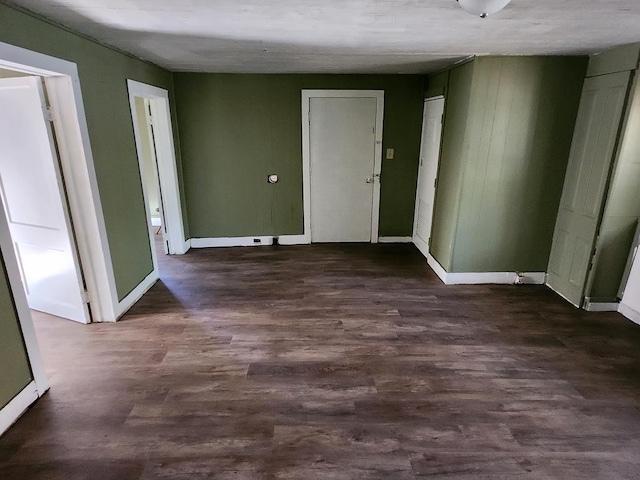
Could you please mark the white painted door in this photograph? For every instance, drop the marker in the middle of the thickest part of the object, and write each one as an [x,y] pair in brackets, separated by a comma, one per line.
[342,141]
[427,172]
[31,188]
[585,185]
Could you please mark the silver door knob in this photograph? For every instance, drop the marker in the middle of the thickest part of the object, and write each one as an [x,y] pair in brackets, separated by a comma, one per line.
[369,180]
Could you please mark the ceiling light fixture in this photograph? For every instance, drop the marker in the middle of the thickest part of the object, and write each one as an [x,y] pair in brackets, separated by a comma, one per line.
[483,7]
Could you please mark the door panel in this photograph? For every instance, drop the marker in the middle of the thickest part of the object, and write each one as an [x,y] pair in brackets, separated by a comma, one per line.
[427,173]
[342,154]
[31,189]
[592,151]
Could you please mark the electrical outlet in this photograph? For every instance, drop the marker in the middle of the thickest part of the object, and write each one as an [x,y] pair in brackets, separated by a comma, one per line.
[390,153]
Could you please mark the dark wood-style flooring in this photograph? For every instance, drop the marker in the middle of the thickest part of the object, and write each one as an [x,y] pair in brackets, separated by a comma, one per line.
[333,362]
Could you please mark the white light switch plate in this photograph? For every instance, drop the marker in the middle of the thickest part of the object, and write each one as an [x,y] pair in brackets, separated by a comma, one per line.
[390,153]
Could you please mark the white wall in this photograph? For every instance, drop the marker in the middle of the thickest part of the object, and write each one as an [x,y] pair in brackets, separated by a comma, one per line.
[630,305]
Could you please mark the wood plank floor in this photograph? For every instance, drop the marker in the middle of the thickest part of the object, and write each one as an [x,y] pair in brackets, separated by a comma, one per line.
[333,362]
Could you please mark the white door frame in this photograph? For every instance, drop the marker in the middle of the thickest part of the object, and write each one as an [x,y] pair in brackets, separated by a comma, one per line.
[307,95]
[415,208]
[72,136]
[170,202]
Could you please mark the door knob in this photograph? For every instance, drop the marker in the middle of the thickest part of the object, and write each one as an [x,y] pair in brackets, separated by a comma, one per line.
[369,179]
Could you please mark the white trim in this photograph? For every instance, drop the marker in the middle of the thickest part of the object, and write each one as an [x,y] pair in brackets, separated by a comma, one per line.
[165,159]
[424,246]
[63,88]
[395,239]
[248,241]
[484,278]
[187,246]
[22,308]
[13,410]
[601,306]
[306,155]
[437,268]
[499,278]
[136,294]
[630,313]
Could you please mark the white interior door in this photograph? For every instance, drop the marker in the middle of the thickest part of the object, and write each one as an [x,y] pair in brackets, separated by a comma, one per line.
[31,188]
[342,146]
[427,172]
[592,152]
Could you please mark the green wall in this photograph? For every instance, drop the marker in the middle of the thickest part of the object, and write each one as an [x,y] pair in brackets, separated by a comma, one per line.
[622,210]
[15,373]
[507,134]
[236,129]
[103,75]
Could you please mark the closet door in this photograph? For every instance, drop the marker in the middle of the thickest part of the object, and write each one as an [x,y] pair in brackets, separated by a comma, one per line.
[592,152]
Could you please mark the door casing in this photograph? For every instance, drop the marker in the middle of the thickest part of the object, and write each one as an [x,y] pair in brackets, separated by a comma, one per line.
[438,103]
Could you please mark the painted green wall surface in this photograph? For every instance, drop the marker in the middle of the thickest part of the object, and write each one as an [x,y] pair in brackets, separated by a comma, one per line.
[507,162]
[237,129]
[437,84]
[15,373]
[622,211]
[103,76]
[452,155]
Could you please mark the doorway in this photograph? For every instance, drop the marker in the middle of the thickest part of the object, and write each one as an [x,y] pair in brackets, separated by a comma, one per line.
[427,172]
[150,113]
[342,153]
[35,202]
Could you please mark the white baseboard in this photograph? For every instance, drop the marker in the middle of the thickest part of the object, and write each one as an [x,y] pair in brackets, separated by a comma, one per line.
[16,407]
[248,241]
[127,302]
[395,239]
[186,247]
[437,268]
[481,278]
[630,313]
[601,306]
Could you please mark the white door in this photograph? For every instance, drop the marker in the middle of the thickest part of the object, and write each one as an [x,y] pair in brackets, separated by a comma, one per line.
[342,141]
[585,185]
[31,188]
[427,172]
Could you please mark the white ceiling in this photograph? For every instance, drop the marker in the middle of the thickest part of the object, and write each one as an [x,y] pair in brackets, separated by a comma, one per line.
[340,36]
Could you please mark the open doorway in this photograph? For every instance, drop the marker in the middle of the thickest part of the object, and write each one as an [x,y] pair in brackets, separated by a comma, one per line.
[150,113]
[35,200]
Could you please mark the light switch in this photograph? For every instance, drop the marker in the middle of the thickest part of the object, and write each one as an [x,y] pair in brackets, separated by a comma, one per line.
[390,153]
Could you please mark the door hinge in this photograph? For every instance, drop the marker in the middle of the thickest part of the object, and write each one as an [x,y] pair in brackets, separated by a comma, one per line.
[429,242]
[48,114]
[309,116]
[150,119]
[84,295]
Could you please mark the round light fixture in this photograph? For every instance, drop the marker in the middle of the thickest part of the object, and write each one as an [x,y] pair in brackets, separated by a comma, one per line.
[483,7]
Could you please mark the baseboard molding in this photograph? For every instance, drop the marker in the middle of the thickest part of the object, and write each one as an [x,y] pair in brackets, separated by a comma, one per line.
[395,240]
[129,301]
[186,247]
[256,241]
[16,407]
[482,278]
[437,268]
[601,306]
[630,313]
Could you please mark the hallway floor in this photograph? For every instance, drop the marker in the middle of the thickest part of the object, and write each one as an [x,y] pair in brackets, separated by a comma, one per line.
[333,362]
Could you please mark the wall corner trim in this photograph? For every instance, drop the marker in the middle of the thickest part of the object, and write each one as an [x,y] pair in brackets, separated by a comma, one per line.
[13,410]
[136,294]
[482,278]
[395,239]
[630,313]
[255,241]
